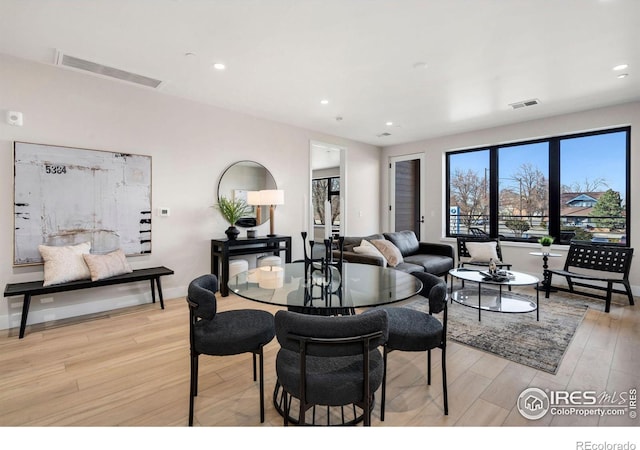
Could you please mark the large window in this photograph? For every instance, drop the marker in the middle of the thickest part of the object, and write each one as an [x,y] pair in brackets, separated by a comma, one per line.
[570,187]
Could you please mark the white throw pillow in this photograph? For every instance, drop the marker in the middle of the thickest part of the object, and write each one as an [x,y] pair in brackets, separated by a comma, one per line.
[367,248]
[63,264]
[481,252]
[109,265]
[389,250]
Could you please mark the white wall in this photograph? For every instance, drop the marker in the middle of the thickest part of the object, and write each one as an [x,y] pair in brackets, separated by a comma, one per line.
[518,253]
[190,144]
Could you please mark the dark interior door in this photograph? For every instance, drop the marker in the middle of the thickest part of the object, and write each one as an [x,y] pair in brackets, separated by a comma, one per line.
[407,196]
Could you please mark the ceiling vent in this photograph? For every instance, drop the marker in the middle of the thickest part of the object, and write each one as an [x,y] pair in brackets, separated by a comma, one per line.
[106,71]
[383,134]
[518,105]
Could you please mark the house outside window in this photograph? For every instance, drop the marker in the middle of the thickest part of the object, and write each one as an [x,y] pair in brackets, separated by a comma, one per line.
[573,187]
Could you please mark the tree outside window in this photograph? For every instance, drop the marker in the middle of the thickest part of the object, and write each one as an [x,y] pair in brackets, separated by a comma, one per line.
[323,189]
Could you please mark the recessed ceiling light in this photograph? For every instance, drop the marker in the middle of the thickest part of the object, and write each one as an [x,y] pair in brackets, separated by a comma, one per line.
[219,66]
[389,124]
[420,65]
[621,67]
[189,54]
[623,75]
[324,101]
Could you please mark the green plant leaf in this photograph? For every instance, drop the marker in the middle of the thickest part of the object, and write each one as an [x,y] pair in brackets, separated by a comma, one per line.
[233,210]
[546,240]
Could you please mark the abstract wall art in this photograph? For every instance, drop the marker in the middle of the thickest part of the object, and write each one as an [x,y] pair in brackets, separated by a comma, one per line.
[65,196]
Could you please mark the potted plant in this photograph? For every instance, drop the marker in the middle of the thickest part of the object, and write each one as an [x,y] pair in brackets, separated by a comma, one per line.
[232,211]
[545,242]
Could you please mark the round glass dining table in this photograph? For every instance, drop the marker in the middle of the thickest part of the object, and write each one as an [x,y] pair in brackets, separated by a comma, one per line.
[311,289]
[307,288]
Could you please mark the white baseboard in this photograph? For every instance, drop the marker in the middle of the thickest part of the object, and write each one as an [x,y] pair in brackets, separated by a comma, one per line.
[47,314]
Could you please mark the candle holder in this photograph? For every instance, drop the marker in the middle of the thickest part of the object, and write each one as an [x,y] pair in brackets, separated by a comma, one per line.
[323,274]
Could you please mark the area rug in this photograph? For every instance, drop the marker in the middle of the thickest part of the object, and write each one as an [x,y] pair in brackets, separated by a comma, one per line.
[517,337]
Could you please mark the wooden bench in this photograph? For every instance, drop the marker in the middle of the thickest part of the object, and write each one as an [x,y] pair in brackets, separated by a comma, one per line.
[607,264]
[32,288]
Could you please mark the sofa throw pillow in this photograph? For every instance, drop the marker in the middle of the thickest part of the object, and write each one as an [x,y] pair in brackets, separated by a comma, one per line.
[367,248]
[391,252]
[63,264]
[109,265]
[481,252]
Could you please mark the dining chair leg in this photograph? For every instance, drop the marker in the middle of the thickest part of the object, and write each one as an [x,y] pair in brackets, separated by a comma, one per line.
[444,382]
[194,367]
[254,367]
[193,386]
[286,408]
[429,367]
[367,412]
[383,397]
[261,355]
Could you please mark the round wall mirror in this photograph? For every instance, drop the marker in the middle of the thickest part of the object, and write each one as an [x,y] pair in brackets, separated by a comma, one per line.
[240,178]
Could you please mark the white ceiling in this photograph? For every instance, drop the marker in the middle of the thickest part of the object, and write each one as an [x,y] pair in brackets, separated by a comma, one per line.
[366,57]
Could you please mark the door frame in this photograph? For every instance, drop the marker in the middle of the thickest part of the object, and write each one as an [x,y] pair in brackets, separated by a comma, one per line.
[314,144]
[392,188]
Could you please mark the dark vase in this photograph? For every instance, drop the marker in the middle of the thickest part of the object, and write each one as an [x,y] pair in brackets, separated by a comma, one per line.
[232,232]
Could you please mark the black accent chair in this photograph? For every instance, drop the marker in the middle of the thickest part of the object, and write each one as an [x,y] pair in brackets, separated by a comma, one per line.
[329,361]
[411,330]
[224,333]
[465,257]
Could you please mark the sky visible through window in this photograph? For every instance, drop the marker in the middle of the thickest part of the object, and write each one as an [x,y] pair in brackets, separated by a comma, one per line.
[601,156]
[582,159]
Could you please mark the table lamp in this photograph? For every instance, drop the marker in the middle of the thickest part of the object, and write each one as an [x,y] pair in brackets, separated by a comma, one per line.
[253,199]
[272,197]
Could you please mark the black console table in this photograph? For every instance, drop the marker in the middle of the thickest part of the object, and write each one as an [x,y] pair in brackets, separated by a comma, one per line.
[222,249]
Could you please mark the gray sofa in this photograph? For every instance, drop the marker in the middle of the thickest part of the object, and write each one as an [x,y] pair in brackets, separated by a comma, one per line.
[436,259]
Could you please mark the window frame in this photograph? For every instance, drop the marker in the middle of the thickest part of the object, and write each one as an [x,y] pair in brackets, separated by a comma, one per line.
[554,184]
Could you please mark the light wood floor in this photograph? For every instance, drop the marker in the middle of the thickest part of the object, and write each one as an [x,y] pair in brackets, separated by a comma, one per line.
[131,368]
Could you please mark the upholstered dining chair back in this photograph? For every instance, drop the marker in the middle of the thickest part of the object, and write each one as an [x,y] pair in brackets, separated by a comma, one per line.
[435,290]
[291,327]
[201,296]
[330,360]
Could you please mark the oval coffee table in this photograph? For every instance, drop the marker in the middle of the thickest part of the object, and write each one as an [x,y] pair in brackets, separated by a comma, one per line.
[506,302]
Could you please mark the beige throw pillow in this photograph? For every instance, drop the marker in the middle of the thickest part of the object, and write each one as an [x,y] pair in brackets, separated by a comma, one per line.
[481,252]
[367,248]
[109,265]
[63,264]
[389,250]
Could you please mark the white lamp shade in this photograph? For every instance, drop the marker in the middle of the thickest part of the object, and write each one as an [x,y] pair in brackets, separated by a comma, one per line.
[253,198]
[272,197]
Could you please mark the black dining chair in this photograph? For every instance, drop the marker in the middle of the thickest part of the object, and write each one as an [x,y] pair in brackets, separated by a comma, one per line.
[329,361]
[411,330]
[224,333]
